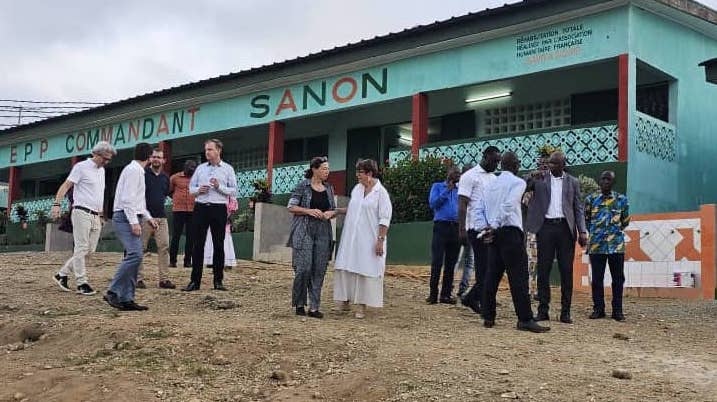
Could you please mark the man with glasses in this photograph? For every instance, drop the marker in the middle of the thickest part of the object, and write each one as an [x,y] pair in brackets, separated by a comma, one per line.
[156,190]
[87,179]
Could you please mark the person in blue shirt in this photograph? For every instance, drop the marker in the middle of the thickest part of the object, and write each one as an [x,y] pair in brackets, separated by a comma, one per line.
[445,245]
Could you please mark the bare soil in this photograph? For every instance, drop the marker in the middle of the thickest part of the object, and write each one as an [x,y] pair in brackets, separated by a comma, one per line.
[246,344]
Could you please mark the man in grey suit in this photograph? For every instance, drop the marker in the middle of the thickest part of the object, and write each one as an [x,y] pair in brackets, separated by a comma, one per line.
[556,216]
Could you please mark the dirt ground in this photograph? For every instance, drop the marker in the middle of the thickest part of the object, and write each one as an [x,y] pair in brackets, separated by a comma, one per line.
[246,344]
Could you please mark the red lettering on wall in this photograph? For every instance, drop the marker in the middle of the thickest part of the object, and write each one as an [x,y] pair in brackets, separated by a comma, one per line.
[13,154]
[163,127]
[192,111]
[287,102]
[106,134]
[134,130]
[43,147]
[335,91]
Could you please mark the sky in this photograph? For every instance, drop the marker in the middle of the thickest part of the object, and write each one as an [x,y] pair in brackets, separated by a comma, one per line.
[104,51]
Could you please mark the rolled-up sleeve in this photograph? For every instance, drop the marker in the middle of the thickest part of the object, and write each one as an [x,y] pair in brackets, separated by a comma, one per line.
[194,181]
[296,194]
[385,209]
[229,187]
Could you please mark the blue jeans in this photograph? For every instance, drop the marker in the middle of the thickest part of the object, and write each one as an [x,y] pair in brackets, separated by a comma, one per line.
[467,268]
[125,279]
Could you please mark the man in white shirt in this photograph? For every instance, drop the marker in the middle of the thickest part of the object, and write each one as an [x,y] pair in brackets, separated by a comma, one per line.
[471,215]
[87,179]
[130,206]
[506,245]
[212,183]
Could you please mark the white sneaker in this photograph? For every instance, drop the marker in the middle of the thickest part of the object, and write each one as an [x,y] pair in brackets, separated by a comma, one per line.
[61,281]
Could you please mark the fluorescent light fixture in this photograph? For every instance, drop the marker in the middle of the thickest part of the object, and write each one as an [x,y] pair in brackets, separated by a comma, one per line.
[489,97]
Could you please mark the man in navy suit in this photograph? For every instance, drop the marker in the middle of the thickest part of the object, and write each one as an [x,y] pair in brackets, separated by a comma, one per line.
[556,216]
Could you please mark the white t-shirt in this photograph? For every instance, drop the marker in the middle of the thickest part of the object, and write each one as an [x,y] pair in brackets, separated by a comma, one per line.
[471,185]
[88,185]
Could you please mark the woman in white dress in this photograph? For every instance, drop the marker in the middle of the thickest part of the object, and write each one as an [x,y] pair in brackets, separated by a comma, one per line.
[361,258]
[229,256]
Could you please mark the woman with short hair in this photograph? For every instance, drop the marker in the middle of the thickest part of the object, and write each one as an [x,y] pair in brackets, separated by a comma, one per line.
[361,258]
[311,237]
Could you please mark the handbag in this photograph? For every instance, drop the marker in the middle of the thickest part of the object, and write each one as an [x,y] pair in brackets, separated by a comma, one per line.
[65,223]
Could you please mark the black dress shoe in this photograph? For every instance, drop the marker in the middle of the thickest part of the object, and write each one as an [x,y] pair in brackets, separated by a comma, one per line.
[111,299]
[172,265]
[597,314]
[191,287]
[219,286]
[532,326]
[187,264]
[489,323]
[542,317]
[132,306]
[315,314]
[618,316]
[565,318]
[471,305]
[431,300]
[300,311]
[448,300]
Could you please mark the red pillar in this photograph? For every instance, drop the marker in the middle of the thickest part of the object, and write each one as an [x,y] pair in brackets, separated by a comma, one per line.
[166,149]
[13,186]
[622,105]
[276,147]
[419,123]
[74,160]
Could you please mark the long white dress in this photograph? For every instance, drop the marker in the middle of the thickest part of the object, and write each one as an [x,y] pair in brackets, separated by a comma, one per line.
[358,276]
[229,255]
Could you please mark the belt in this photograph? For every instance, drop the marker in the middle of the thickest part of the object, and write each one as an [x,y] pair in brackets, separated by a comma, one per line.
[210,204]
[89,211]
[555,221]
[447,222]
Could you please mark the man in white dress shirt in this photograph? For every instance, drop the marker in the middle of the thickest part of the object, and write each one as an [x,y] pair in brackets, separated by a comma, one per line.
[212,183]
[506,245]
[130,207]
[87,179]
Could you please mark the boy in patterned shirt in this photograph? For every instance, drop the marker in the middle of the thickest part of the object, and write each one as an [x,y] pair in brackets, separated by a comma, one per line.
[607,214]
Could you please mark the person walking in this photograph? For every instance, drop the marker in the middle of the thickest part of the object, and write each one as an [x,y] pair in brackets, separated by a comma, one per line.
[87,181]
[311,237]
[129,209]
[156,190]
[182,207]
[361,258]
[607,214]
[506,246]
[212,183]
[555,215]
[445,246]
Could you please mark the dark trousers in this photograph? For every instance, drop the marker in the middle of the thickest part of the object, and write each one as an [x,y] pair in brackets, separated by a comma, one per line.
[555,240]
[309,261]
[445,247]
[507,255]
[181,222]
[480,259]
[214,217]
[617,271]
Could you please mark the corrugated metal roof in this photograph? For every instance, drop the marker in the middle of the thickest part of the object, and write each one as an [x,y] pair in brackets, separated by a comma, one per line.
[689,6]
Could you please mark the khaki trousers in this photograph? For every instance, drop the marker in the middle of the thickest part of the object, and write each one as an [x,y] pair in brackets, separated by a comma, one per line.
[161,237]
[86,233]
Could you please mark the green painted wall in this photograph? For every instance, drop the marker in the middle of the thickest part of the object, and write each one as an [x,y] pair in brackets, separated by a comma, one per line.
[654,185]
[584,40]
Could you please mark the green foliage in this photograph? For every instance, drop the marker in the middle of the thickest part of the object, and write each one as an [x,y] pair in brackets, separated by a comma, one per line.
[546,149]
[261,191]
[409,184]
[588,185]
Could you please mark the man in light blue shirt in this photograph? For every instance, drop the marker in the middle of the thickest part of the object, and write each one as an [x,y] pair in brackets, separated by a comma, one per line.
[212,183]
[506,249]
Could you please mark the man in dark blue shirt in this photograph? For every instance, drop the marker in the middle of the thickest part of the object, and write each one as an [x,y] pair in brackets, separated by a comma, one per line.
[445,245]
[156,184]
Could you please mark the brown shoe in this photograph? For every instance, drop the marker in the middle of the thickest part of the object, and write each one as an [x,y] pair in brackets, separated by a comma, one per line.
[167,284]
